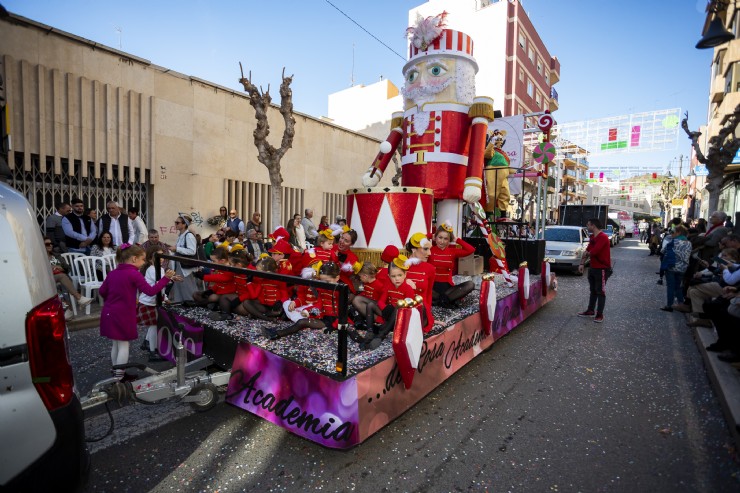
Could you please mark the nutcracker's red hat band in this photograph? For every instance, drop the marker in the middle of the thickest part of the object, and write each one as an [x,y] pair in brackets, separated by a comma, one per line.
[450,43]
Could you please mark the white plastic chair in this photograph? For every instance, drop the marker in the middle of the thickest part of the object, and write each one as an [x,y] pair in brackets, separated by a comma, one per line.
[108,264]
[89,283]
[75,275]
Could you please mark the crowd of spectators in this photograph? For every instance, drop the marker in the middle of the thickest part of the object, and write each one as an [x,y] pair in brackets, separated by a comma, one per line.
[701,266]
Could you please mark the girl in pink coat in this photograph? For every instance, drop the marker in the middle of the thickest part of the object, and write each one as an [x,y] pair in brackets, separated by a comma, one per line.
[118,317]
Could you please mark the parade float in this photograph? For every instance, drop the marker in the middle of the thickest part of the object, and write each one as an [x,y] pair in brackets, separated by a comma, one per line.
[320,384]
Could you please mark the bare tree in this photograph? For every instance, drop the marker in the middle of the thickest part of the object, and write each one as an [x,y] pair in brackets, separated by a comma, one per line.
[720,152]
[267,154]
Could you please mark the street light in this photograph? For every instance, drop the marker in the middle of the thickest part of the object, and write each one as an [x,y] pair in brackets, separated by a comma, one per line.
[716,33]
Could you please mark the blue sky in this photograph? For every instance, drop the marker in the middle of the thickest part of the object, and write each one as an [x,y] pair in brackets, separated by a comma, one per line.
[616,57]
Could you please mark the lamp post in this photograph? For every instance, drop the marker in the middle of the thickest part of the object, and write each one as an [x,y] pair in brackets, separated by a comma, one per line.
[715,33]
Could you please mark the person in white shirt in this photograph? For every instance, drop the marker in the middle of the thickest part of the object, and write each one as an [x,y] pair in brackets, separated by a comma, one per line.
[140,232]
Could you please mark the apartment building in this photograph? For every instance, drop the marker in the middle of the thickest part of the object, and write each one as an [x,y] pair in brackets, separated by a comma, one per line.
[724,95]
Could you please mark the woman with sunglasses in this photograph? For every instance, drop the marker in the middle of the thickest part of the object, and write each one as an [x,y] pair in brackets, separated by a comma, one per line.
[186,244]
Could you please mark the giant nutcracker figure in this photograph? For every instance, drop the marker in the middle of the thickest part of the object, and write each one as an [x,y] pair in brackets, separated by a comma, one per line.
[442,132]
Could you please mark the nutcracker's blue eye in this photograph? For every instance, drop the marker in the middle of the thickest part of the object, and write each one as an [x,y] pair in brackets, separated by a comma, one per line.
[412,76]
[437,70]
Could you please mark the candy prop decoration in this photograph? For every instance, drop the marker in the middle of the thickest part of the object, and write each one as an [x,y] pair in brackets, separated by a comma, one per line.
[487,303]
[544,153]
[545,273]
[523,284]
[545,122]
[408,339]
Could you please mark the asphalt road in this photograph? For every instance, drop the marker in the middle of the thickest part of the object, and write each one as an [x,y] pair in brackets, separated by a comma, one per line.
[560,404]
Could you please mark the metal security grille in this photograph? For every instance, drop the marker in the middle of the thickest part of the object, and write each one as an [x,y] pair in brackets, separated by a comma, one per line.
[248,197]
[334,204]
[44,189]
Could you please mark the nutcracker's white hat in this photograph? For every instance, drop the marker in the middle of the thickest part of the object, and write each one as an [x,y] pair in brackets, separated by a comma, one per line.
[449,43]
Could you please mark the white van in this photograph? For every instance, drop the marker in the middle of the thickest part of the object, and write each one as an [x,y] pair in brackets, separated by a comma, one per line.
[41,421]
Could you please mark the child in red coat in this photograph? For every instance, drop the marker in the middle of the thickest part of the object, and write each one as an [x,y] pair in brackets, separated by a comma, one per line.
[397,288]
[324,313]
[422,273]
[232,302]
[443,257]
[265,297]
[221,282]
[365,301]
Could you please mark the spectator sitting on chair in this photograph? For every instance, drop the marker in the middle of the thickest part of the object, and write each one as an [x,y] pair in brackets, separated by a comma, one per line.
[323,223]
[102,246]
[234,223]
[255,223]
[60,269]
[53,226]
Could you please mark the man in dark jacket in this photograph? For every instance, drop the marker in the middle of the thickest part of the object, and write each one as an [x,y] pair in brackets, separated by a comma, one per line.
[79,229]
[120,226]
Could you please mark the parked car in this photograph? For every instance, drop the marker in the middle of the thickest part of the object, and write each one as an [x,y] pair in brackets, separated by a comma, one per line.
[612,234]
[41,420]
[565,246]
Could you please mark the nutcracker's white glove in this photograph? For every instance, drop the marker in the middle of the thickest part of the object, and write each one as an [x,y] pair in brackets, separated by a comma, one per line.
[471,194]
[371,181]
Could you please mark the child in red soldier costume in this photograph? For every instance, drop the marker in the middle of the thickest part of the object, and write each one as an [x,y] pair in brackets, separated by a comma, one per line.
[386,258]
[444,257]
[397,288]
[280,253]
[221,282]
[422,273]
[232,302]
[323,250]
[366,299]
[265,296]
[346,237]
[306,296]
[324,314]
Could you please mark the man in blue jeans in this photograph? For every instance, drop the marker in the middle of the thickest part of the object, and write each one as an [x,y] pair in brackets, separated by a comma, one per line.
[599,251]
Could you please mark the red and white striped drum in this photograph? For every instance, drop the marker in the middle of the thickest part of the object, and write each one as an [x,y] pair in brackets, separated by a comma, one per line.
[389,215]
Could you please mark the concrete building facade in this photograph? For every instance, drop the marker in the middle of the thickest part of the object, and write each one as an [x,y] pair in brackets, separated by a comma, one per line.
[90,121]
[724,97]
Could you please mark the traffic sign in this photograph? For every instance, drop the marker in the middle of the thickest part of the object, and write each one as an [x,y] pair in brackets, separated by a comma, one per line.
[701,170]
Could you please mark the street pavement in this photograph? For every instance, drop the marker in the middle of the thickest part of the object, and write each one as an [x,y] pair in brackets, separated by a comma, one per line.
[561,404]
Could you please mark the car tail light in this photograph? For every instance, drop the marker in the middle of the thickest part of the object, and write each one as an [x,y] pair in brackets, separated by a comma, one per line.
[46,333]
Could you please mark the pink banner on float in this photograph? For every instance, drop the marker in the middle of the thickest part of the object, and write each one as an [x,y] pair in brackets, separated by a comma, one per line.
[302,401]
[341,414]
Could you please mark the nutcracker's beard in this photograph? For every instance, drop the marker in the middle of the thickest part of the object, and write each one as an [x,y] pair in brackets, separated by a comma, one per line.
[464,80]
[420,95]
[423,94]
